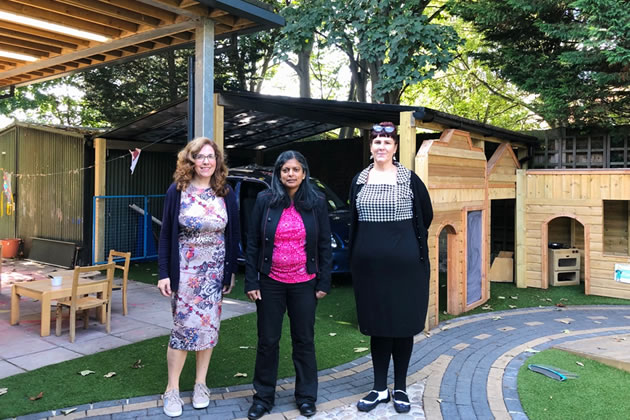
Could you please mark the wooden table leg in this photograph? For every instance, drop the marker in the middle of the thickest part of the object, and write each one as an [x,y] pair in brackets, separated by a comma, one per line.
[45,328]
[15,306]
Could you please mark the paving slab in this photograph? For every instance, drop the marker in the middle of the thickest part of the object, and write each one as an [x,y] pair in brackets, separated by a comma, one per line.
[613,350]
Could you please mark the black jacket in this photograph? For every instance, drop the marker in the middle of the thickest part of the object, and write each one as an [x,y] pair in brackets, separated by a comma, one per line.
[262,233]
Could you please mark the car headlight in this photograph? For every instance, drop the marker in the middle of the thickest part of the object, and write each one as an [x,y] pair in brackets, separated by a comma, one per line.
[333,242]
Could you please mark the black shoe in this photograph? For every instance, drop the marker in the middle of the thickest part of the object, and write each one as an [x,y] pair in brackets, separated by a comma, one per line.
[401,401]
[371,400]
[256,411]
[307,409]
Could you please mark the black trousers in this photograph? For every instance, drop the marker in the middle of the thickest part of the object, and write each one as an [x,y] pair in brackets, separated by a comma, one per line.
[300,302]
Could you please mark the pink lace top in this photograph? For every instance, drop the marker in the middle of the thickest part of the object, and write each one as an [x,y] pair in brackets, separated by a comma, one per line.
[288,262]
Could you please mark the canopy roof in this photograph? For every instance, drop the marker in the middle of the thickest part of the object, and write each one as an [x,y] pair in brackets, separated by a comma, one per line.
[254,121]
[111,30]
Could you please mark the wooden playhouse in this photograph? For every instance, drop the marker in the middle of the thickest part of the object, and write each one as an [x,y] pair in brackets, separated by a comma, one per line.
[585,212]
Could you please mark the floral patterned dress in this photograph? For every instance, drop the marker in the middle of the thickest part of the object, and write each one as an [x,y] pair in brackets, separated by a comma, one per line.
[197,303]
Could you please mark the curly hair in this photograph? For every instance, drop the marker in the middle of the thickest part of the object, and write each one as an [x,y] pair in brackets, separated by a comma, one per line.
[185,170]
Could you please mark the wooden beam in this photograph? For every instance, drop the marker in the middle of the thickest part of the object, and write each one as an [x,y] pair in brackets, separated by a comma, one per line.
[520,229]
[52,17]
[146,9]
[407,140]
[29,44]
[20,50]
[100,154]
[80,13]
[173,7]
[102,48]
[114,11]
[36,38]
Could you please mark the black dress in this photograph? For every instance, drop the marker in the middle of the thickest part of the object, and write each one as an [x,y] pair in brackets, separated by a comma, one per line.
[389,260]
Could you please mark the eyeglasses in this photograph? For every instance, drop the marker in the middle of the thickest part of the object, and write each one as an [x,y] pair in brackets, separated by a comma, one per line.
[379,129]
[200,158]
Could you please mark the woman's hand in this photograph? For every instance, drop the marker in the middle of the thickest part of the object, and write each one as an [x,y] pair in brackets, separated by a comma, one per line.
[319,294]
[165,286]
[254,295]
[228,289]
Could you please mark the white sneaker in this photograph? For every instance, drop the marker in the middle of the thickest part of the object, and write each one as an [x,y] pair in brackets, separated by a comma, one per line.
[172,403]
[201,396]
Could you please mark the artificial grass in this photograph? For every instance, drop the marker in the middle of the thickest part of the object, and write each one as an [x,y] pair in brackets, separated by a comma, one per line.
[63,386]
[600,391]
[507,296]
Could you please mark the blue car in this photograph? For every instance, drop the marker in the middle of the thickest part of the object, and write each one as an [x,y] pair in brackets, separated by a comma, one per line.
[249,180]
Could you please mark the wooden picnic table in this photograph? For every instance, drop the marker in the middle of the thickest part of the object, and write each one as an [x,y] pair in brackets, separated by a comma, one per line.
[45,292]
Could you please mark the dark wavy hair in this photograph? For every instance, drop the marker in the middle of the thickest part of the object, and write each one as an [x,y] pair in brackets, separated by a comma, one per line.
[394,136]
[305,197]
[185,169]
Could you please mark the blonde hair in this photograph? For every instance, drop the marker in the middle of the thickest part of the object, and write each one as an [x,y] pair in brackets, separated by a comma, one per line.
[185,170]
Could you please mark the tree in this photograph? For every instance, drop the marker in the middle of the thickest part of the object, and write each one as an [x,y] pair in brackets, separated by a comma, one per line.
[470,89]
[390,43]
[575,55]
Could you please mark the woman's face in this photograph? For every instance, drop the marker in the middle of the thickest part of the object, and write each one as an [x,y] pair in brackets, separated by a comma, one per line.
[383,149]
[205,162]
[291,175]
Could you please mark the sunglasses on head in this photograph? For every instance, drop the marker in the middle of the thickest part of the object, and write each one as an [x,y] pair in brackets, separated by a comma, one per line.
[387,129]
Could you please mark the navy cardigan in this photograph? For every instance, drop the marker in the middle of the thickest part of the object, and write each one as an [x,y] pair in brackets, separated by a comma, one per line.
[168,252]
[262,233]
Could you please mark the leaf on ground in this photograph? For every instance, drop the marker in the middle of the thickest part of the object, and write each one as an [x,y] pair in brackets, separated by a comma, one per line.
[86,372]
[445,313]
[360,349]
[564,299]
[445,327]
[514,297]
[564,321]
[512,306]
[244,347]
[597,322]
[620,339]
[332,334]
[496,318]
[68,411]
[109,374]
[530,350]
[154,274]
[137,364]
[565,331]
[37,397]
[579,364]
[560,305]
[439,400]
[486,307]
[240,375]
[330,316]
[4,391]
[501,297]
[548,300]
[343,322]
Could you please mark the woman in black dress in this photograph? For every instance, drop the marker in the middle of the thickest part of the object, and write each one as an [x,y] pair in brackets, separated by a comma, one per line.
[391,214]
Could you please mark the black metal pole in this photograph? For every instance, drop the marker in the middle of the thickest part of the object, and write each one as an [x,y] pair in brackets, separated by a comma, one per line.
[191,97]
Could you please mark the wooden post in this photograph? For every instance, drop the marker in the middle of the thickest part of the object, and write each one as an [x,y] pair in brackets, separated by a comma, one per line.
[519,229]
[219,114]
[522,153]
[204,78]
[407,140]
[100,154]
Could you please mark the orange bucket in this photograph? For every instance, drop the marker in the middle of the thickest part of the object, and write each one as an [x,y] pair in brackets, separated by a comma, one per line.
[10,247]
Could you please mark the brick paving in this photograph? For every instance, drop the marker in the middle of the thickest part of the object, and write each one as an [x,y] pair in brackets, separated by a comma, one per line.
[464,369]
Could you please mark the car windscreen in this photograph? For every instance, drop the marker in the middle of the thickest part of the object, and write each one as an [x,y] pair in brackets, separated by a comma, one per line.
[334,202]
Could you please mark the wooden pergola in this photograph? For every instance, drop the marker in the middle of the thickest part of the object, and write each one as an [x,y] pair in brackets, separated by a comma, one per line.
[31,50]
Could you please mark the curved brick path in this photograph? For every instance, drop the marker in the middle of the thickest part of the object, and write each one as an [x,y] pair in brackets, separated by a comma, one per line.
[464,369]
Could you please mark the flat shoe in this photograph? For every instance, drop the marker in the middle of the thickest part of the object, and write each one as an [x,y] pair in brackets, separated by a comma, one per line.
[371,400]
[256,411]
[401,401]
[307,409]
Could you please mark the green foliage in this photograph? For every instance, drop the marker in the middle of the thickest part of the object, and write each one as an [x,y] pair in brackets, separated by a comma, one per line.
[599,392]
[393,42]
[575,55]
[470,89]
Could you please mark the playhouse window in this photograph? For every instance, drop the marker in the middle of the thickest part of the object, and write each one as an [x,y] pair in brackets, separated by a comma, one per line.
[616,227]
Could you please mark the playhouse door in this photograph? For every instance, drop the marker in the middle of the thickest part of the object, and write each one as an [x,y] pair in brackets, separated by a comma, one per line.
[474,259]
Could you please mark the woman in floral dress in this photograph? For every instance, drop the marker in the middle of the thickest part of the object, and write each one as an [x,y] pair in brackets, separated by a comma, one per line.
[197,261]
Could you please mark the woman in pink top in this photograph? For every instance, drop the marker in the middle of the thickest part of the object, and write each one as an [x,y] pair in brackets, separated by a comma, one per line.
[288,269]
